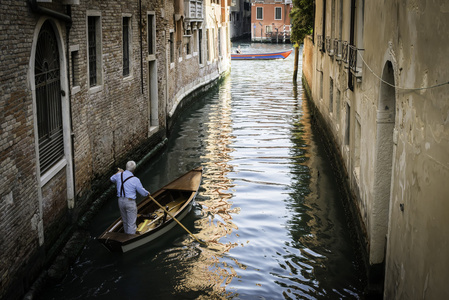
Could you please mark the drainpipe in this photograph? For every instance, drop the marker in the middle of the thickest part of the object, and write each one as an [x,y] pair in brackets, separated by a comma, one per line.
[45,11]
[141,47]
[72,135]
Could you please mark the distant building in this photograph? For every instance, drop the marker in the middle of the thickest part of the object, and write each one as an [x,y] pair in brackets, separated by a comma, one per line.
[240,19]
[85,86]
[270,20]
[377,73]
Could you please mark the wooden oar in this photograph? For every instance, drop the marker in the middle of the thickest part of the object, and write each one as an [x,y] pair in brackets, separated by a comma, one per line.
[154,200]
[157,218]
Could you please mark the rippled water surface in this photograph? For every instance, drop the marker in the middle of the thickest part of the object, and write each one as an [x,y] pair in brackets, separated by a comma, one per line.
[268,205]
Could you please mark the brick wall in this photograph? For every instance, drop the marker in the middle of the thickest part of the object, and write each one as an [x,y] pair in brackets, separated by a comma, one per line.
[110,124]
[18,193]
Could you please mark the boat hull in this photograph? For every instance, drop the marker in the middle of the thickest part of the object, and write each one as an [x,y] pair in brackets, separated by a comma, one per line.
[261,56]
[178,194]
[154,235]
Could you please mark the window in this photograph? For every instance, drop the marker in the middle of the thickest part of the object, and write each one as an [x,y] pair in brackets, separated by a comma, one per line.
[331,95]
[214,44]
[340,20]
[356,40]
[48,99]
[151,34]
[323,25]
[357,143]
[172,47]
[74,55]
[219,42]
[333,19]
[200,46]
[348,125]
[278,13]
[94,48]
[267,28]
[259,13]
[207,44]
[126,45]
[338,103]
[321,85]
[188,41]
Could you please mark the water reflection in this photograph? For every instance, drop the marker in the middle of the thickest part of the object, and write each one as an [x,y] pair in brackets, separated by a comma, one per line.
[217,210]
[274,224]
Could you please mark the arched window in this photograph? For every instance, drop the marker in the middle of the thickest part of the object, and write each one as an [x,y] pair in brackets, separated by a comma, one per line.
[48,98]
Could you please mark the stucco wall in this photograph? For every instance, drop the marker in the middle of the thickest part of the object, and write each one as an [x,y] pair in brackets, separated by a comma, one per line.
[418,235]
[258,26]
[394,141]
[307,60]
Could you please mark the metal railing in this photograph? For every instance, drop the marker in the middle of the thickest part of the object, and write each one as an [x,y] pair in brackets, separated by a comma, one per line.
[353,58]
[344,52]
[337,49]
[329,49]
[319,42]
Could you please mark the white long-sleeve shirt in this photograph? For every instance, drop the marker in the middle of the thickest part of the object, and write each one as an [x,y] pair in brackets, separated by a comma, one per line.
[131,186]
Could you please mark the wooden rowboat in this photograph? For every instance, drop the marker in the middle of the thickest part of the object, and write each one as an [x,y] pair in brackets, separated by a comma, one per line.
[256,56]
[152,222]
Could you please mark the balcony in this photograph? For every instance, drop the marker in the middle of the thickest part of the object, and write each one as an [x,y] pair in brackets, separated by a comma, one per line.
[355,70]
[337,50]
[329,49]
[194,10]
[344,51]
[319,42]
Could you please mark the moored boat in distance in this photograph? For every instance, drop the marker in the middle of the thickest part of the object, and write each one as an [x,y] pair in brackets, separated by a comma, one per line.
[256,56]
[152,222]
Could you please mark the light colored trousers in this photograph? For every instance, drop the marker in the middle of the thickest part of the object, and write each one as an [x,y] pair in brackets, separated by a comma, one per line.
[128,211]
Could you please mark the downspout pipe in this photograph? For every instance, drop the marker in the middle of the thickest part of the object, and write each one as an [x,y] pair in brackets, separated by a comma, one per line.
[45,11]
[141,46]
[69,92]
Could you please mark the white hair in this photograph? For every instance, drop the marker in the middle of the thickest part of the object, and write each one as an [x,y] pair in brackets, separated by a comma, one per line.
[131,166]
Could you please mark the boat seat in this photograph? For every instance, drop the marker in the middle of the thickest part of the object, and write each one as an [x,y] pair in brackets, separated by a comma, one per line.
[151,216]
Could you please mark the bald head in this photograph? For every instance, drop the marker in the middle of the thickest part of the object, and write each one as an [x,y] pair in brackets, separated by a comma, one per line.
[131,166]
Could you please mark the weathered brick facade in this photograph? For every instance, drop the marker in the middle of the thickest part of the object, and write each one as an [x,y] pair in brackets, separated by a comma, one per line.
[103,125]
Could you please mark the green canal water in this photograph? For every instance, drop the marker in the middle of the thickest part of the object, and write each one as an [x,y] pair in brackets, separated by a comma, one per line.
[268,206]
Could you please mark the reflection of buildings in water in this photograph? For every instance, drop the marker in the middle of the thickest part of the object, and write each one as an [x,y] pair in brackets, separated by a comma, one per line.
[209,272]
[216,206]
[305,181]
[313,223]
[315,215]
[305,222]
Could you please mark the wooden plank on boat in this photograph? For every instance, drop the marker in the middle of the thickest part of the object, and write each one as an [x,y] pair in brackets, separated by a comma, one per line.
[118,236]
[187,182]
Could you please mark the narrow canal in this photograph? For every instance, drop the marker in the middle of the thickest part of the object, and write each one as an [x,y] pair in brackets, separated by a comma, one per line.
[268,205]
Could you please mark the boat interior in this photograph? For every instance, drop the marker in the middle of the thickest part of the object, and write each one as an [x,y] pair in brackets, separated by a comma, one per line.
[150,215]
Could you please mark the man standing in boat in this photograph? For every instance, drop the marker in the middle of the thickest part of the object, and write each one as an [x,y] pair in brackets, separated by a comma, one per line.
[127,188]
